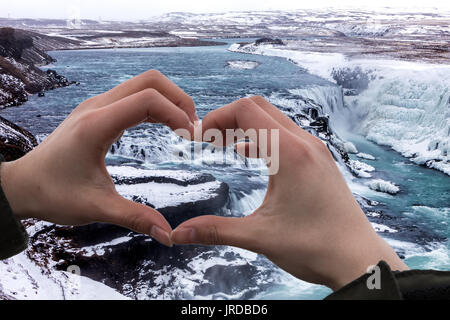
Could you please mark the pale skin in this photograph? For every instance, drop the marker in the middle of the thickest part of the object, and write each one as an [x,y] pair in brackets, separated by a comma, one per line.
[309,223]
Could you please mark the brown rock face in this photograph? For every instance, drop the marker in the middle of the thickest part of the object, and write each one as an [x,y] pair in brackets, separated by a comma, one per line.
[20,54]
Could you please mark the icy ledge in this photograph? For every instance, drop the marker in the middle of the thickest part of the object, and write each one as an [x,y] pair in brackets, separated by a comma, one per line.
[178,194]
[384,186]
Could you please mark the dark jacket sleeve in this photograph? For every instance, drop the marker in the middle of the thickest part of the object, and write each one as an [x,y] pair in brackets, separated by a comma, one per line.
[13,237]
[406,285]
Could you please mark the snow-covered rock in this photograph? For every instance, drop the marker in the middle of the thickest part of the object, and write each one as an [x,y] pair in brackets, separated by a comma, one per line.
[382,228]
[19,74]
[15,141]
[360,169]
[384,186]
[179,195]
[242,64]
[350,147]
[365,156]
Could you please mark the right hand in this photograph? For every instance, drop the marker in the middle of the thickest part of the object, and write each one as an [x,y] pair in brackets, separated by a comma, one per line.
[309,223]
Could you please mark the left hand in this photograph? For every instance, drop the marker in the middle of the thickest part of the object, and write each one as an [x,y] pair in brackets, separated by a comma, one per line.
[65,181]
[309,223]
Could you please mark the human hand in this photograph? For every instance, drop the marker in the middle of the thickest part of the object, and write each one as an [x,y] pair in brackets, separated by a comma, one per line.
[64,180]
[309,223]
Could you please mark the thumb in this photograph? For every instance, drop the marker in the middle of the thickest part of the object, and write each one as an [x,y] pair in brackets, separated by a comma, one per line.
[213,230]
[140,218]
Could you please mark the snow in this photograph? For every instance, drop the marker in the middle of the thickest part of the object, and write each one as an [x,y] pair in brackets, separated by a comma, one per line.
[361,169]
[365,156]
[101,248]
[23,279]
[317,63]
[167,195]
[350,147]
[162,195]
[384,186]
[382,228]
[131,172]
[243,64]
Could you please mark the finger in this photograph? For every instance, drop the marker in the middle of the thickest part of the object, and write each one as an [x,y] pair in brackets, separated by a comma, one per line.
[213,230]
[279,116]
[152,79]
[272,139]
[137,108]
[139,218]
[247,149]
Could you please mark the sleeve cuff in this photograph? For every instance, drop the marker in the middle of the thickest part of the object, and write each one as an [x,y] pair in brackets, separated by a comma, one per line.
[396,285]
[13,237]
[388,288]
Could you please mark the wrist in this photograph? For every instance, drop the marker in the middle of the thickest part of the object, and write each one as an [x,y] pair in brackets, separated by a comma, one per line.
[15,189]
[358,260]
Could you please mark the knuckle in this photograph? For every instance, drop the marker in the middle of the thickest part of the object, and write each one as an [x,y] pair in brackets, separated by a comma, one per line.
[189,102]
[258,99]
[86,121]
[310,150]
[149,93]
[152,77]
[245,104]
[319,145]
[133,221]
[90,102]
[186,103]
[302,150]
[213,235]
[154,73]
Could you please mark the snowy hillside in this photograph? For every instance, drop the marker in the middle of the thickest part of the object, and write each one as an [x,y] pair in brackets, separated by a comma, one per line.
[401,104]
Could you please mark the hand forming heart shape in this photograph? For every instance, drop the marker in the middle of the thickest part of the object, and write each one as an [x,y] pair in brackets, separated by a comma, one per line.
[309,223]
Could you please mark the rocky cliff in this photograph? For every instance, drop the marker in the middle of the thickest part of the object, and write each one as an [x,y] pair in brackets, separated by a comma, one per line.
[21,52]
[15,141]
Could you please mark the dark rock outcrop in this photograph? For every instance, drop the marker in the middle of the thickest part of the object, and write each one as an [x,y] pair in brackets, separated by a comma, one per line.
[355,79]
[15,141]
[269,41]
[132,262]
[19,74]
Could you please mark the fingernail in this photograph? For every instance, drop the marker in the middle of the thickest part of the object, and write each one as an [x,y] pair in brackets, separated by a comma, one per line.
[161,236]
[183,236]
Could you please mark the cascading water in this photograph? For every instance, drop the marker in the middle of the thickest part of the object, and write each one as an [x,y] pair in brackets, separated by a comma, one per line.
[408,110]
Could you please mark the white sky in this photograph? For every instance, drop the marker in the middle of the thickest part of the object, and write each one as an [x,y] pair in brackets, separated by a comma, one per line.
[143,9]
